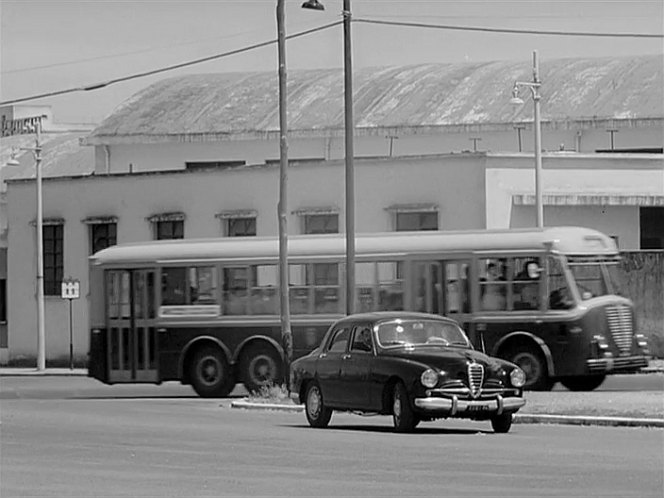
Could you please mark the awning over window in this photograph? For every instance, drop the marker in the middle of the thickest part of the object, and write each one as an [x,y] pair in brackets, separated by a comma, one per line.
[99,220]
[425,207]
[613,199]
[237,213]
[49,221]
[316,210]
[156,218]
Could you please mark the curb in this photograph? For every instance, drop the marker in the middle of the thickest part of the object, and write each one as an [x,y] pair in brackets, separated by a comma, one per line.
[525,418]
[49,372]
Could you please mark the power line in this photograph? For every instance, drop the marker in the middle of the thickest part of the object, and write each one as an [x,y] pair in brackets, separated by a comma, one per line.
[507,30]
[97,86]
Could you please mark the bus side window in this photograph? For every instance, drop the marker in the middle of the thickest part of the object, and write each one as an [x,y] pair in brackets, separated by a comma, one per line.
[493,285]
[234,288]
[173,286]
[526,287]
[457,295]
[390,286]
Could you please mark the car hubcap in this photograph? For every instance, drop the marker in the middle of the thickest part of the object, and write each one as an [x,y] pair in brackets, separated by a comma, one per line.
[314,402]
[396,409]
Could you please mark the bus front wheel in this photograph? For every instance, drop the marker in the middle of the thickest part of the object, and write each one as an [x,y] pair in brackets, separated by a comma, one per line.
[531,360]
[210,374]
[583,383]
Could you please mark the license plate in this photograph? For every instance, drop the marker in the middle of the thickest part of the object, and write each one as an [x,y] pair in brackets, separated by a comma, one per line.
[478,408]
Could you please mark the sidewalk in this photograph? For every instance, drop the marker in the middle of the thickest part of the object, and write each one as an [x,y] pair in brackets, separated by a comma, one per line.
[27,371]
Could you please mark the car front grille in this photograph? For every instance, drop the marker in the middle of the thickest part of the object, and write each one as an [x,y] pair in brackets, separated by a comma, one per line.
[620,325]
[475,378]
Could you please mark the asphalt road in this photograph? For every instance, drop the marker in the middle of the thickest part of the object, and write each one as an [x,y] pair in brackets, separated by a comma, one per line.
[75,437]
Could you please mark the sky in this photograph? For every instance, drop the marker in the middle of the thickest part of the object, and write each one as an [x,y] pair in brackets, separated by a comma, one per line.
[53,45]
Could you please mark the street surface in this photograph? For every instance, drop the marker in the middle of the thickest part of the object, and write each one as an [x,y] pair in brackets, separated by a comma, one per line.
[75,437]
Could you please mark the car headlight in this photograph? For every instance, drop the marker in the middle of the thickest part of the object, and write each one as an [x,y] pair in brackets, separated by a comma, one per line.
[517,377]
[429,378]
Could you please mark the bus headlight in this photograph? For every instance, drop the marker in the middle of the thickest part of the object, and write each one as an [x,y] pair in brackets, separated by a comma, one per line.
[517,377]
[429,378]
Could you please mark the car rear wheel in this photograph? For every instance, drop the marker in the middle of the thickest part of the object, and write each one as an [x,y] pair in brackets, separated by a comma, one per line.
[402,414]
[502,423]
[318,415]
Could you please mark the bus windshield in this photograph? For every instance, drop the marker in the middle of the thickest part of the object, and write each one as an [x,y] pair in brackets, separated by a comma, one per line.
[595,278]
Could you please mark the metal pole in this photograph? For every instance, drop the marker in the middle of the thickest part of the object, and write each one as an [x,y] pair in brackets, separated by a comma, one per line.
[71,338]
[350,175]
[41,335]
[286,334]
[538,143]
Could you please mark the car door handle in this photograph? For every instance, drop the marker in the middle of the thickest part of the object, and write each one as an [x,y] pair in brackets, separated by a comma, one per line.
[346,356]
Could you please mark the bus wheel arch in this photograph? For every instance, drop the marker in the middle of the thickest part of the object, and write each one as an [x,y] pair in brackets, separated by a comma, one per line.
[260,363]
[531,354]
[205,365]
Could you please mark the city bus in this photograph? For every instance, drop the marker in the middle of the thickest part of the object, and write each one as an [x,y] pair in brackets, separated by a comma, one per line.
[205,312]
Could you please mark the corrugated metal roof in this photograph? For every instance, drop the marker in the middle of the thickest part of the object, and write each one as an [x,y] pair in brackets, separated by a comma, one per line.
[214,106]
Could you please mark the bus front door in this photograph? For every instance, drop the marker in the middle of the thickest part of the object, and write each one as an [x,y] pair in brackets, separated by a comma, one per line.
[132,336]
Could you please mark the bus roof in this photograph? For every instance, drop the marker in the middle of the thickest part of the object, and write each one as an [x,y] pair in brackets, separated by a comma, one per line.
[573,241]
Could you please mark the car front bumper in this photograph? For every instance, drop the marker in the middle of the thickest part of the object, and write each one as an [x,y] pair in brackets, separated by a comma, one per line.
[455,406]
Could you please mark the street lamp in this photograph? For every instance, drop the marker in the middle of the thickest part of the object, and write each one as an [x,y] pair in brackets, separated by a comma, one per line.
[33,125]
[534,87]
[350,175]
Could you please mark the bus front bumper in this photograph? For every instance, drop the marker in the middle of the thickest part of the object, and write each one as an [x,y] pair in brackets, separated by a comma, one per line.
[617,364]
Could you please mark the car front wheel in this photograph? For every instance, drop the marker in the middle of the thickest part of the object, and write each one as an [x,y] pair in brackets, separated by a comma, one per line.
[502,423]
[318,415]
[402,414]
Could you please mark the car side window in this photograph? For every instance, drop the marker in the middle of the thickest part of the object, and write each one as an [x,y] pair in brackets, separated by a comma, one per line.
[339,341]
[362,340]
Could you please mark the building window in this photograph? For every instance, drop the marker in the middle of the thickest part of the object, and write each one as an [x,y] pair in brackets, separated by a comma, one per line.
[239,222]
[168,226]
[169,230]
[318,220]
[3,300]
[241,227]
[53,236]
[103,232]
[414,217]
[416,221]
[321,223]
[197,165]
[652,227]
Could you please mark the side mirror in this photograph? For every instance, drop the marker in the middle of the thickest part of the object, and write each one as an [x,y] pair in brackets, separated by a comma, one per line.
[533,270]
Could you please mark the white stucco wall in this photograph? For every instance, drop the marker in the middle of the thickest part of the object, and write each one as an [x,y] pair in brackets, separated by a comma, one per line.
[455,183]
[602,174]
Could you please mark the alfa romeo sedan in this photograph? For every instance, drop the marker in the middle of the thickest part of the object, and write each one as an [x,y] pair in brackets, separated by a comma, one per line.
[413,366]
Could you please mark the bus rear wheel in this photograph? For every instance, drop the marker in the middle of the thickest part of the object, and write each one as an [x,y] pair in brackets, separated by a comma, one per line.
[531,360]
[261,365]
[583,383]
[210,374]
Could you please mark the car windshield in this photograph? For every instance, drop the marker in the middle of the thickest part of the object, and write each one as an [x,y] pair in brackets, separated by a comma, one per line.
[410,332]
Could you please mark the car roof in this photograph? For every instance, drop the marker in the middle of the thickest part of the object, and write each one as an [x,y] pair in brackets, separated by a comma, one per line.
[376,316]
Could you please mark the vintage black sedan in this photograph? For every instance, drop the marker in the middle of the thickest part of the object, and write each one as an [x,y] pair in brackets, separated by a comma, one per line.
[413,366]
